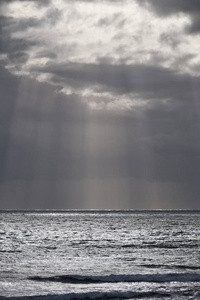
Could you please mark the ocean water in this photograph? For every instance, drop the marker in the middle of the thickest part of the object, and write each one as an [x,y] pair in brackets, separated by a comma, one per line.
[100,255]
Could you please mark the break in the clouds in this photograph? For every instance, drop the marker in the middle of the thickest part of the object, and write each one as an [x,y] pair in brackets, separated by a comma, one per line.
[99,104]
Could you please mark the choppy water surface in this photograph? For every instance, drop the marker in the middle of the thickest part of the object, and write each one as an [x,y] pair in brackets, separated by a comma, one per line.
[119,255]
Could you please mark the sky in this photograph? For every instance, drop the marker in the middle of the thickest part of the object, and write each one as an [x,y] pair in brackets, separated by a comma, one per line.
[99,105]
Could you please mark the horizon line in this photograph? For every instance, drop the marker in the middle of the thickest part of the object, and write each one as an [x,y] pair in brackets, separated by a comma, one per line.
[97,210]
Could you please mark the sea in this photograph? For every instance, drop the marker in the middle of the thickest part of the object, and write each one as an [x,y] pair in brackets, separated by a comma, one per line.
[60,255]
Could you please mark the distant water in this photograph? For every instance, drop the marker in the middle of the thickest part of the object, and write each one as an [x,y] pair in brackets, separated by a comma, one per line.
[100,255]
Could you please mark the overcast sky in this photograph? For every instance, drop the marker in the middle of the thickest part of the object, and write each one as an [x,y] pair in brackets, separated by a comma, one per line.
[100,104]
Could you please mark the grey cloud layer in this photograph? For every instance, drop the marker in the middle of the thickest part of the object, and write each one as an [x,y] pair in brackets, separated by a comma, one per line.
[149,81]
[167,7]
[171,7]
[15,48]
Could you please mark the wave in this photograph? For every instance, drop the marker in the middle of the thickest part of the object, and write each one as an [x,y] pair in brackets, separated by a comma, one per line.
[161,246]
[157,266]
[10,251]
[106,295]
[77,279]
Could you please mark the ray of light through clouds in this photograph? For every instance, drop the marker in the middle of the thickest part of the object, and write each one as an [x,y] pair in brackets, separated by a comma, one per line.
[99,104]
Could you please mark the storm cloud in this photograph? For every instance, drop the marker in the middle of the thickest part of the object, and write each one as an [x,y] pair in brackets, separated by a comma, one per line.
[169,7]
[149,81]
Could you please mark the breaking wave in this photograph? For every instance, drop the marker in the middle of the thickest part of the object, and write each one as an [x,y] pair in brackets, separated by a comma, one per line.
[77,279]
[105,295]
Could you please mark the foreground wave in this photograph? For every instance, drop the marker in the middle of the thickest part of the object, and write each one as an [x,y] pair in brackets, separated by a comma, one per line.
[77,279]
[106,295]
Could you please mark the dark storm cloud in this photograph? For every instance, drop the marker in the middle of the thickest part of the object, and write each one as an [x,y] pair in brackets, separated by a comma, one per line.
[10,24]
[5,21]
[149,81]
[171,7]
[195,26]
[15,48]
[9,46]
[25,24]
[167,7]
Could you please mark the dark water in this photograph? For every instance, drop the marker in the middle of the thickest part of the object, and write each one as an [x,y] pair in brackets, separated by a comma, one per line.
[100,255]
